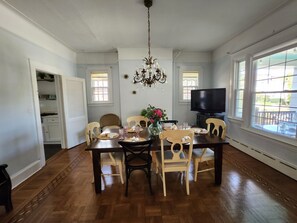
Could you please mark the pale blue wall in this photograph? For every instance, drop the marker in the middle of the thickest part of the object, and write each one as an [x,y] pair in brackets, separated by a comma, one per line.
[18,133]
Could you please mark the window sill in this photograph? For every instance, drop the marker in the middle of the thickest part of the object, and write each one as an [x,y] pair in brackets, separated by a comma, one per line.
[184,102]
[101,104]
[235,120]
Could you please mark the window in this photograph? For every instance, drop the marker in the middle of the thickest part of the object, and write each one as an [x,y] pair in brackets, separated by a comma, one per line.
[190,81]
[274,107]
[239,88]
[100,89]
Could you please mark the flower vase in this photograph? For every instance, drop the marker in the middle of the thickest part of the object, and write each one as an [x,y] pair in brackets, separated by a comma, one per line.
[155,128]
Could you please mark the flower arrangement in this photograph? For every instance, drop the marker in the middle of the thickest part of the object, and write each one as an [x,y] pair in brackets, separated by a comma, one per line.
[154,114]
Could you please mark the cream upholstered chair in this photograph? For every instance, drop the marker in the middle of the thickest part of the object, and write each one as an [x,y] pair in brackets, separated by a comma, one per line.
[217,127]
[112,159]
[137,120]
[175,159]
[110,121]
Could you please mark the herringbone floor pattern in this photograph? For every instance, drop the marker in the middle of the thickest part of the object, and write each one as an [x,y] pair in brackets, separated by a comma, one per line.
[62,192]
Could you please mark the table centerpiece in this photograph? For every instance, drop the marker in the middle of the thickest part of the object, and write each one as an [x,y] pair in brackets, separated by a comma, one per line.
[155,115]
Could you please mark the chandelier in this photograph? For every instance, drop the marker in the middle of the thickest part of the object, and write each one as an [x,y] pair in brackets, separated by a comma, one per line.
[150,73]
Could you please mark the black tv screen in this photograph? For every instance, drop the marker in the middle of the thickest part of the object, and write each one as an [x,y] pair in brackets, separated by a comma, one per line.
[208,100]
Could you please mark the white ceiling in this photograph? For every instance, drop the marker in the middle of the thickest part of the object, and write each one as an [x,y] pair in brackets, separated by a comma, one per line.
[105,25]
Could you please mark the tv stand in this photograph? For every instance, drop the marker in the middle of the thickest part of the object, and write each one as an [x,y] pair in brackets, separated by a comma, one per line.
[201,118]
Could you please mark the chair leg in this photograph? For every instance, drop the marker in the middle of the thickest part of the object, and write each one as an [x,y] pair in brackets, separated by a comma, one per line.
[164,184]
[127,182]
[8,205]
[157,167]
[121,172]
[187,182]
[196,167]
[149,179]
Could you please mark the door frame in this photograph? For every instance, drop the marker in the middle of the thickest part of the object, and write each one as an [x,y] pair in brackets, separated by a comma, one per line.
[34,66]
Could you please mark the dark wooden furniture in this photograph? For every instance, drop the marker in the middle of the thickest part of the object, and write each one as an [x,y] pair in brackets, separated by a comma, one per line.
[5,188]
[200,141]
[169,121]
[202,117]
[137,157]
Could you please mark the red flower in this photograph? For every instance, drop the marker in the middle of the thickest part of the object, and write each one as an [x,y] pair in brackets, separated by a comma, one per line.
[159,113]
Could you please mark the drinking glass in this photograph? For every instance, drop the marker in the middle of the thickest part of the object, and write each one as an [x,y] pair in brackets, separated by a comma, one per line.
[137,130]
[122,133]
[185,125]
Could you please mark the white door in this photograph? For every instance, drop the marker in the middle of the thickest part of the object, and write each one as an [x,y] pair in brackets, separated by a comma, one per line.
[75,110]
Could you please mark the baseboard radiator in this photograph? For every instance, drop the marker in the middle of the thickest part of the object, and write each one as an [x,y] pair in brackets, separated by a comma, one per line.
[272,161]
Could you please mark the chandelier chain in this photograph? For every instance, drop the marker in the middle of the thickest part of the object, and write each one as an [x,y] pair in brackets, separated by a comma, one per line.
[150,73]
[149,31]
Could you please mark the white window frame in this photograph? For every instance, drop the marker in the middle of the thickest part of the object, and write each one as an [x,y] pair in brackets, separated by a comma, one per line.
[236,87]
[270,134]
[188,69]
[89,73]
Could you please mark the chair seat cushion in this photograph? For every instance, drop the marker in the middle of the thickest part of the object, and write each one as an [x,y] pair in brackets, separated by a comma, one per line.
[168,155]
[197,153]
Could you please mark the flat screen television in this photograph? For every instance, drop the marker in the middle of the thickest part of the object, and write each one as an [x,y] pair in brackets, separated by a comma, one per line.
[208,100]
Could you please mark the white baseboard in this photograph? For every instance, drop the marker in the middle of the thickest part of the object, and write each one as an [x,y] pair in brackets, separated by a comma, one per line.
[25,173]
[272,161]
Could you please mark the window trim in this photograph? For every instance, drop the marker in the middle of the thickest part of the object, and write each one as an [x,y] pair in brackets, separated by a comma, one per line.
[233,84]
[99,69]
[252,81]
[184,69]
[236,88]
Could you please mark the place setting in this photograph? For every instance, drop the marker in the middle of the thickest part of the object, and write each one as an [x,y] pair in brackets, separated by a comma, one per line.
[108,136]
[199,131]
[135,129]
[135,138]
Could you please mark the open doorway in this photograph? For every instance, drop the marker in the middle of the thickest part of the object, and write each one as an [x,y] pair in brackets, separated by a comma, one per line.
[49,112]
[71,108]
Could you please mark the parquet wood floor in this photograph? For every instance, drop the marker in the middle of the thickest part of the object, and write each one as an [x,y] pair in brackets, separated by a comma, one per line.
[62,192]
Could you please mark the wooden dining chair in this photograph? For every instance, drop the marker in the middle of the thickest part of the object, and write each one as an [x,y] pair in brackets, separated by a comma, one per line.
[137,157]
[5,188]
[110,121]
[175,159]
[112,159]
[137,120]
[214,126]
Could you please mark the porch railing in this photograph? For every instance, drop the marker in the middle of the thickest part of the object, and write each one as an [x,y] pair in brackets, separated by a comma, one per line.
[274,117]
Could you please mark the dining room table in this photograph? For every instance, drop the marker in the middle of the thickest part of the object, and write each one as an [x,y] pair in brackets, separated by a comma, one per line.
[99,146]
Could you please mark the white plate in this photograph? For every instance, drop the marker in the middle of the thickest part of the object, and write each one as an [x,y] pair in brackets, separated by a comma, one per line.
[200,131]
[134,139]
[110,135]
[132,130]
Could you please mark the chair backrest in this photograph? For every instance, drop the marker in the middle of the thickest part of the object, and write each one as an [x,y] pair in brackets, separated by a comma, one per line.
[217,127]
[137,153]
[109,120]
[177,139]
[92,131]
[137,120]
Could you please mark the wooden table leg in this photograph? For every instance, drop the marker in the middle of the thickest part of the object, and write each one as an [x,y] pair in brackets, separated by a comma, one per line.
[97,170]
[218,153]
